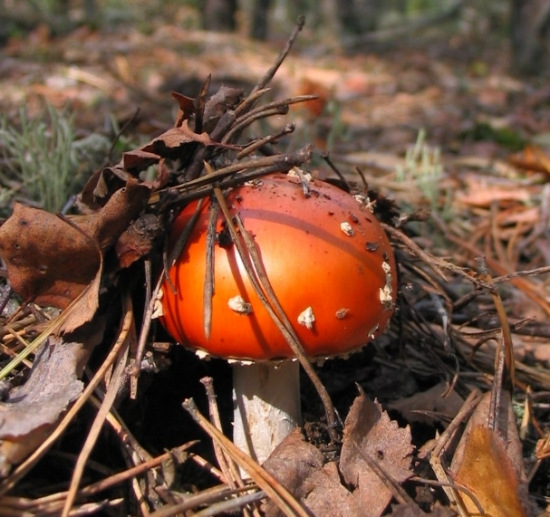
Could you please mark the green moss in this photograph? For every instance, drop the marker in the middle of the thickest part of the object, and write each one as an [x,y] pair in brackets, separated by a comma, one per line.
[505,136]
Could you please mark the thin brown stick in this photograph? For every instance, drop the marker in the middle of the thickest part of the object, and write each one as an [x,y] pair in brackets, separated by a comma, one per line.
[250,101]
[263,142]
[239,126]
[210,497]
[437,452]
[508,344]
[108,401]
[451,485]
[434,263]
[266,110]
[225,462]
[284,500]
[144,335]
[519,274]
[231,505]
[213,411]
[24,467]
[203,153]
[120,477]
[266,79]
[517,280]
[234,174]
[201,103]
[326,156]
[209,286]
[296,158]
[206,465]
[135,361]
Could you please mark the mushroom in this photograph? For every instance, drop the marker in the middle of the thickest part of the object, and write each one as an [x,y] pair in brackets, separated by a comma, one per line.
[331,267]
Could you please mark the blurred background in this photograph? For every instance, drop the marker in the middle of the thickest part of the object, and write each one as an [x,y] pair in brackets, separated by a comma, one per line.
[355,25]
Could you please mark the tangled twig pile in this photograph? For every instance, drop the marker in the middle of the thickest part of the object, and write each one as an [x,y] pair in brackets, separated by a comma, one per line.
[81,264]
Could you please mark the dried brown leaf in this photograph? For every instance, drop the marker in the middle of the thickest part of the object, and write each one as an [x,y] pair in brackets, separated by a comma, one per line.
[327,496]
[33,409]
[138,159]
[299,466]
[186,107]
[52,260]
[292,461]
[369,433]
[531,159]
[84,307]
[98,189]
[226,98]
[488,462]
[178,142]
[177,136]
[172,143]
[122,208]
[481,193]
[431,406]
[47,259]
[137,240]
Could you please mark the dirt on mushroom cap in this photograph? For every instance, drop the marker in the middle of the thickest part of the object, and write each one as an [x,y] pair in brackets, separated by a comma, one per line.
[310,262]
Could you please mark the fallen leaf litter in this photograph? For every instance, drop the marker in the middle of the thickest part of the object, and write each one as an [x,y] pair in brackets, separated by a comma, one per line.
[323,471]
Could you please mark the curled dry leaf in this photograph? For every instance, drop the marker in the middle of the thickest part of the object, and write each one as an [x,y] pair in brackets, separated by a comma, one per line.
[300,467]
[51,260]
[124,206]
[327,496]
[97,190]
[370,436]
[33,409]
[368,431]
[139,159]
[293,461]
[137,240]
[48,260]
[186,107]
[179,142]
[531,159]
[488,462]
[431,406]
[483,194]
[173,143]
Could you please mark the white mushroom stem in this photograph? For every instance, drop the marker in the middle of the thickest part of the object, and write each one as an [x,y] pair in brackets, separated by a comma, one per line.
[266,402]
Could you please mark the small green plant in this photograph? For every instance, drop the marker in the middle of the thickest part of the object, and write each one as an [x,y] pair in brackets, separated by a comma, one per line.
[42,161]
[424,168]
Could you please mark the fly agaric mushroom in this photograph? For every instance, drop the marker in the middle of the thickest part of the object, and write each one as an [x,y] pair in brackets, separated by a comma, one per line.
[332,269]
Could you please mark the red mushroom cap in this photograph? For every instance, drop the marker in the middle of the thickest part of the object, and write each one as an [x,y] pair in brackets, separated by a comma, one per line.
[327,257]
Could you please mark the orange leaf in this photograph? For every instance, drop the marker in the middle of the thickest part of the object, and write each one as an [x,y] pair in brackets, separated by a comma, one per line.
[531,159]
[489,465]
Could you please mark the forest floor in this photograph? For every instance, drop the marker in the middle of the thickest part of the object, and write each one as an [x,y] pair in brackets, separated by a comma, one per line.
[438,125]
